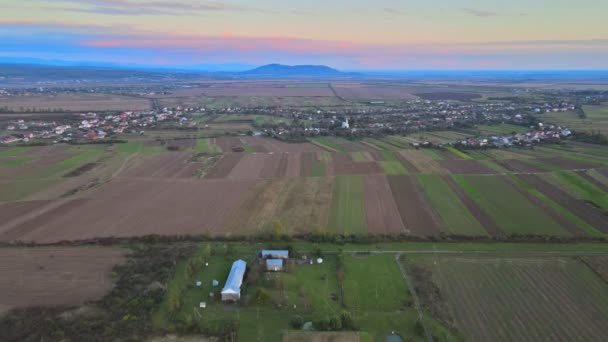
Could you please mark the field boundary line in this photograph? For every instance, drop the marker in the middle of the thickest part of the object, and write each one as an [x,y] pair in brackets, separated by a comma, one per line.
[429,336]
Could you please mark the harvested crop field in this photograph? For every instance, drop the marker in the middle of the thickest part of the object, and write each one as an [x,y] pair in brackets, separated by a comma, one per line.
[568,164]
[355,168]
[10,210]
[163,165]
[275,166]
[51,276]
[137,207]
[273,145]
[446,95]
[465,167]
[268,91]
[522,299]
[421,161]
[381,211]
[413,207]
[223,168]
[250,166]
[584,211]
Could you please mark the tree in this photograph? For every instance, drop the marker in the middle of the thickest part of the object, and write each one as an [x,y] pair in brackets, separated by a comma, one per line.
[278,230]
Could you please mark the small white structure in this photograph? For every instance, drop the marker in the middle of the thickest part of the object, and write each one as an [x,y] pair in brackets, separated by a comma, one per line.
[232,290]
[202,305]
[345,124]
[199,283]
[319,260]
[274,265]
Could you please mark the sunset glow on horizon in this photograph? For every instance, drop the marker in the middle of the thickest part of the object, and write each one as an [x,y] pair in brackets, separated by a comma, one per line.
[349,35]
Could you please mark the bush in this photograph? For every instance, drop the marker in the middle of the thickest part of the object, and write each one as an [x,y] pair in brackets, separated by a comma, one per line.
[296,322]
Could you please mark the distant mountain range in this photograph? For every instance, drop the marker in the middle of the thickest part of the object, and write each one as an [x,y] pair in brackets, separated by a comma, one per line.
[280,70]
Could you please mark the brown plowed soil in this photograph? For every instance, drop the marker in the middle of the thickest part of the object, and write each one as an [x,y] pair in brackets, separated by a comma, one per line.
[293,165]
[377,155]
[227,143]
[415,212]
[250,166]
[406,163]
[163,165]
[568,164]
[12,210]
[337,157]
[584,211]
[356,168]
[517,165]
[603,172]
[225,165]
[486,221]
[276,166]
[138,207]
[306,163]
[463,166]
[380,208]
[274,145]
[55,276]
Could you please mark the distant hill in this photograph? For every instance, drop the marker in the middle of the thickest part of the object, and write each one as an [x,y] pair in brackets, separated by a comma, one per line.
[280,70]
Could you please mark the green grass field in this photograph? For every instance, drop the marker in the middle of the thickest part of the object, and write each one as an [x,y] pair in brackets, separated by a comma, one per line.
[502,128]
[454,214]
[579,187]
[513,213]
[328,143]
[459,153]
[347,212]
[85,154]
[358,156]
[391,165]
[205,146]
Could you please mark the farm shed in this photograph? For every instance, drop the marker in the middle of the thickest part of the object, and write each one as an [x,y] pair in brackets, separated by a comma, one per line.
[232,290]
[275,265]
[275,254]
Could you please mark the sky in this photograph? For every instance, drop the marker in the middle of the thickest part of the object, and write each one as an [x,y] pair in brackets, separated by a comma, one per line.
[345,34]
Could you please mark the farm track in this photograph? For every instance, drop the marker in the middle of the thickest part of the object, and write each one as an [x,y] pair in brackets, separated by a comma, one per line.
[591,215]
[486,221]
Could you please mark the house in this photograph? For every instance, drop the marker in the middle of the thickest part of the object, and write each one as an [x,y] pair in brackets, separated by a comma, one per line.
[232,290]
[274,265]
[275,254]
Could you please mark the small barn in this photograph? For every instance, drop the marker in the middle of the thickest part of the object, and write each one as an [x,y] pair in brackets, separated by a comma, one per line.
[232,290]
[274,265]
[275,254]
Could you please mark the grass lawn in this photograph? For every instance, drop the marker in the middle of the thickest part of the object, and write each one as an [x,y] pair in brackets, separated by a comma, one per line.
[13,151]
[579,187]
[454,214]
[205,146]
[514,213]
[347,213]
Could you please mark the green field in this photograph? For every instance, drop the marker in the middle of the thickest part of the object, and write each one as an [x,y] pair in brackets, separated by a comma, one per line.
[85,154]
[205,146]
[490,298]
[454,214]
[461,154]
[328,143]
[501,129]
[513,213]
[347,212]
[579,187]
[391,165]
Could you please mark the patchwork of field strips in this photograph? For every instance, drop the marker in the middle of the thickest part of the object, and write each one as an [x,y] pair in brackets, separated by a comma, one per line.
[240,185]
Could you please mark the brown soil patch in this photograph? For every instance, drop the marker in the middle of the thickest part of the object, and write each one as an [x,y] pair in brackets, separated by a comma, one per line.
[274,145]
[421,161]
[516,165]
[377,155]
[294,164]
[53,276]
[138,207]
[466,167]
[12,210]
[415,212]
[276,166]
[225,165]
[380,208]
[304,204]
[250,166]
[164,165]
[373,92]
[589,214]
[486,221]
[306,163]
[568,164]
[321,337]
[227,143]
